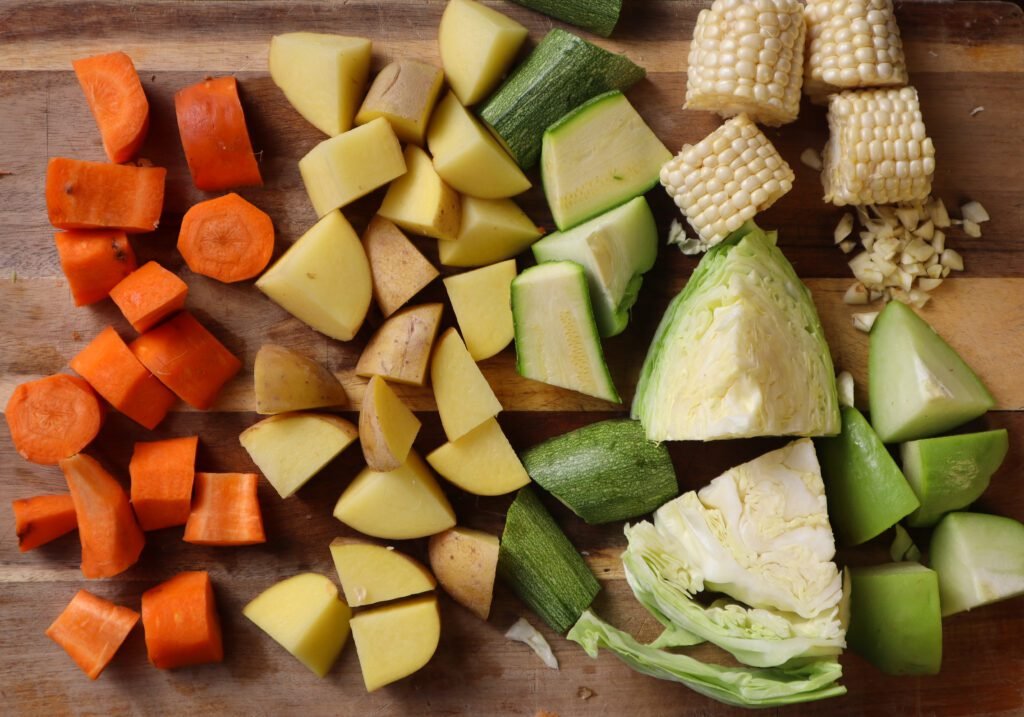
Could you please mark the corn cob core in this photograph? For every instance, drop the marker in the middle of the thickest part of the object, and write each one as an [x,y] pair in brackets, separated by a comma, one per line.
[878,150]
[852,44]
[726,179]
[747,56]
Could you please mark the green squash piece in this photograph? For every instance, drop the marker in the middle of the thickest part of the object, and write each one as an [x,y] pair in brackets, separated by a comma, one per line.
[951,472]
[866,491]
[918,386]
[895,622]
[979,559]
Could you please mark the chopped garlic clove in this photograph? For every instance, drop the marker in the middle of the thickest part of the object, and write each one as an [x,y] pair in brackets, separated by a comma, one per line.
[974,212]
[811,158]
[939,215]
[919,298]
[864,322]
[844,228]
[926,231]
[972,229]
[939,242]
[856,294]
[935,270]
[847,246]
[952,260]
[844,384]
[874,295]
[930,283]
[909,217]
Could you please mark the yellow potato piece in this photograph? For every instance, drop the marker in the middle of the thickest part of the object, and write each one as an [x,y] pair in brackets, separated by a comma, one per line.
[284,380]
[478,45]
[291,448]
[400,350]
[482,300]
[465,562]
[323,279]
[394,641]
[491,230]
[322,76]
[401,504]
[371,573]
[387,427]
[397,267]
[463,396]
[304,615]
[482,462]
[468,158]
[420,202]
[341,169]
[403,93]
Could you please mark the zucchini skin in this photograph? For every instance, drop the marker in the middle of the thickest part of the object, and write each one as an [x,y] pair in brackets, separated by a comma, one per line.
[541,566]
[604,472]
[597,16]
[561,73]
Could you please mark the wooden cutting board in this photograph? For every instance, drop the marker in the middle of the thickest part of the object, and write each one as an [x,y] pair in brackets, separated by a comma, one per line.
[962,56]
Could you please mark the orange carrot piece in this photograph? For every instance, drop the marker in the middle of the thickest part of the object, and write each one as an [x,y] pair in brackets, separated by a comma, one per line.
[94,262]
[149,295]
[111,538]
[181,623]
[97,195]
[226,238]
[226,510]
[53,418]
[114,372]
[162,474]
[187,358]
[43,518]
[213,133]
[115,96]
[91,630]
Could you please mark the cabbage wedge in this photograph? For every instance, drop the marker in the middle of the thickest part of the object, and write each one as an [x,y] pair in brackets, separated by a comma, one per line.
[740,352]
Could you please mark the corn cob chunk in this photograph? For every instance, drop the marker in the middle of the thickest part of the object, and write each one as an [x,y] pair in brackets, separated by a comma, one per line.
[747,56]
[726,179]
[878,151]
[852,44]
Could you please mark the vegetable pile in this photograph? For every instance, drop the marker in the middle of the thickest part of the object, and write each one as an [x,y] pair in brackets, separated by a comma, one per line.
[746,563]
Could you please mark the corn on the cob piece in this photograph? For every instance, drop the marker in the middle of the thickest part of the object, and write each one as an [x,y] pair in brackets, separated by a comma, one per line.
[852,44]
[726,178]
[878,151]
[747,56]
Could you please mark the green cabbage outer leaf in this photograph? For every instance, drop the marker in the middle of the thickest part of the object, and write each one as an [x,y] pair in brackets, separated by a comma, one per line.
[740,352]
[798,681]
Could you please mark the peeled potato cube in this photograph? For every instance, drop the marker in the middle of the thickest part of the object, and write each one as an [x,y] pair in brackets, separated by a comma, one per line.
[481,462]
[420,202]
[482,300]
[291,448]
[478,44]
[400,350]
[372,573]
[491,230]
[401,504]
[397,267]
[395,640]
[341,169]
[285,380]
[403,93]
[465,562]
[323,279]
[467,156]
[304,615]
[322,76]
[463,396]
[387,427]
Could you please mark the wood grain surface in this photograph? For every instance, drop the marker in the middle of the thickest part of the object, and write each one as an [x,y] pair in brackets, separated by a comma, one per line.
[961,56]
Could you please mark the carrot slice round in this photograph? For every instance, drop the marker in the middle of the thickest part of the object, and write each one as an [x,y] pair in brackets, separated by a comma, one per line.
[226,238]
[53,418]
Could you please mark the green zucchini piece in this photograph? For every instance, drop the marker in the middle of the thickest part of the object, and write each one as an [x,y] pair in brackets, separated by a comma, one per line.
[597,16]
[895,623]
[866,491]
[561,73]
[540,564]
[615,250]
[598,156]
[979,559]
[918,386]
[951,472]
[604,472]
[556,337]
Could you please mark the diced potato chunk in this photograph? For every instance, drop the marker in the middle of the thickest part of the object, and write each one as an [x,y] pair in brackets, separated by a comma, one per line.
[420,202]
[482,300]
[397,267]
[387,427]
[285,380]
[403,93]
[478,44]
[371,573]
[491,230]
[400,350]
[394,641]
[463,396]
[466,562]
[481,462]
